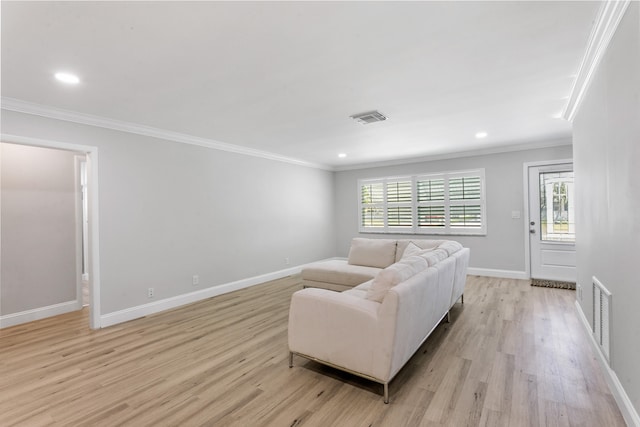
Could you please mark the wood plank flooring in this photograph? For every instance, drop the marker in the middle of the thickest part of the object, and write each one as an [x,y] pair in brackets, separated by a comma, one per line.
[513,355]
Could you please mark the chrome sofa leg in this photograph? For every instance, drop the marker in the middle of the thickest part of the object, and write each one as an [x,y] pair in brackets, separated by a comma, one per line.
[462,299]
[386,392]
[290,359]
[448,316]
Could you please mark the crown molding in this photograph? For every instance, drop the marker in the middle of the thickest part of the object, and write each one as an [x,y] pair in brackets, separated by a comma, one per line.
[557,142]
[21,106]
[12,104]
[609,16]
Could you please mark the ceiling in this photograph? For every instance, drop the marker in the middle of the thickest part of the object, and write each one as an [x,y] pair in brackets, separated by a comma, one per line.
[285,77]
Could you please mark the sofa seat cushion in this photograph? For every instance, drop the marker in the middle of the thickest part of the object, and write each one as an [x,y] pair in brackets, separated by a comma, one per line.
[364,286]
[338,272]
[379,253]
[361,290]
[359,293]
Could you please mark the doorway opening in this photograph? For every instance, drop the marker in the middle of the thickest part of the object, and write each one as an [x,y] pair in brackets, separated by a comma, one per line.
[88,265]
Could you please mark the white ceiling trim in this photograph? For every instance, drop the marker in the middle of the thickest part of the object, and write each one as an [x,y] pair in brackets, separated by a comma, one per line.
[21,106]
[469,153]
[12,104]
[609,17]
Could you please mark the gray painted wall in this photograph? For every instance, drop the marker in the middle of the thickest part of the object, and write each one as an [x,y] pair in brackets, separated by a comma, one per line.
[38,228]
[170,210]
[503,246]
[607,157]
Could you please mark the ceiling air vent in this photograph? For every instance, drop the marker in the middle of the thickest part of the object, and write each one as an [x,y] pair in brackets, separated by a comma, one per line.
[370,117]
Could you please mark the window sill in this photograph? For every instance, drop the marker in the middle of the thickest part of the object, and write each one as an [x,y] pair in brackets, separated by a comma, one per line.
[409,233]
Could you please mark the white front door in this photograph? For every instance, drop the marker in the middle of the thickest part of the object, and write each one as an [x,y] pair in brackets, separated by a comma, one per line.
[552,222]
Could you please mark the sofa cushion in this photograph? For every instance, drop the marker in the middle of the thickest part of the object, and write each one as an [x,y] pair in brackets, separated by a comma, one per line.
[364,286]
[379,253]
[414,250]
[394,274]
[356,292]
[421,243]
[451,246]
[434,256]
[411,250]
[338,272]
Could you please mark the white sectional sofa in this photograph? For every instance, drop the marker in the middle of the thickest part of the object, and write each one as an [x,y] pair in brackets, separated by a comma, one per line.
[372,329]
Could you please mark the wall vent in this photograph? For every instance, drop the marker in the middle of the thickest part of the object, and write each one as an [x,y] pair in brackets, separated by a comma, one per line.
[602,318]
[369,117]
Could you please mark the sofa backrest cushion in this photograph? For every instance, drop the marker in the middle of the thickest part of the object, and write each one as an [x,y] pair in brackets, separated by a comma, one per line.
[434,256]
[421,243]
[451,246]
[394,274]
[411,250]
[379,253]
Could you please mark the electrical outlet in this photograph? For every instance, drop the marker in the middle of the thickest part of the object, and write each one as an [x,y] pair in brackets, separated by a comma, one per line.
[196,280]
[150,293]
[286,260]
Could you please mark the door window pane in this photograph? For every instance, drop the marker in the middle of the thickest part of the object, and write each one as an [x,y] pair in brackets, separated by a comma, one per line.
[557,215]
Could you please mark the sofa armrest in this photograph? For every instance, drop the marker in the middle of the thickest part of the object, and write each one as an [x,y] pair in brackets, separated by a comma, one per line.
[340,329]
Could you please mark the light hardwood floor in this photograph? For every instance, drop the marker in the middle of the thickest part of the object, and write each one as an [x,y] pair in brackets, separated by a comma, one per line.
[513,355]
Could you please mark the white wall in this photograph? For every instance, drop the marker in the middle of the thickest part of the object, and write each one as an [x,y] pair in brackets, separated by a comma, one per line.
[607,158]
[503,246]
[170,210]
[38,228]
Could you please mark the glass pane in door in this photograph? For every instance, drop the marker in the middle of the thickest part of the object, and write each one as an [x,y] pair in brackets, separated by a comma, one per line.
[557,215]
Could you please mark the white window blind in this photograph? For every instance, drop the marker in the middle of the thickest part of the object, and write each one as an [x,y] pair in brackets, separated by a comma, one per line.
[399,204]
[431,203]
[443,203]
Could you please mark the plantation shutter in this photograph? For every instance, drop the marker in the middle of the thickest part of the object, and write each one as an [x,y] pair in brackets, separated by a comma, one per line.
[399,204]
[431,206]
[443,203]
[465,197]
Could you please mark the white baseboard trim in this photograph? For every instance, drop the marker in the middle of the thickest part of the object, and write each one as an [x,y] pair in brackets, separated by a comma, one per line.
[38,313]
[629,413]
[132,313]
[503,274]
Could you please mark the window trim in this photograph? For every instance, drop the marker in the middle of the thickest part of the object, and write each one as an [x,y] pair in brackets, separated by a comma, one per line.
[447,229]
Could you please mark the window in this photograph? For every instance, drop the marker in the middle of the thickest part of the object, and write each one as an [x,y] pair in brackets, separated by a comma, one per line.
[372,202]
[443,203]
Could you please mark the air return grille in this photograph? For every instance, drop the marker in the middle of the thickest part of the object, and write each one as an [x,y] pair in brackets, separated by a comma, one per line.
[370,117]
[602,318]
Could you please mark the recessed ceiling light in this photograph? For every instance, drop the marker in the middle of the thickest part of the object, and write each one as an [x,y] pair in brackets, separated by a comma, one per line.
[481,135]
[342,155]
[68,78]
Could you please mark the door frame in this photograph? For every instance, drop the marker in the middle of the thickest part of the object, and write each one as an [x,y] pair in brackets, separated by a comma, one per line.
[77,162]
[527,219]
[91,153]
